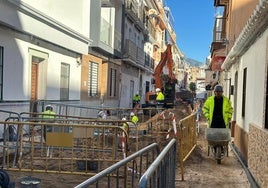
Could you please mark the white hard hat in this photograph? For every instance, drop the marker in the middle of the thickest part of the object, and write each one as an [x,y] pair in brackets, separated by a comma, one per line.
[132,114]
[124,119]
[49,107]
[101,113]
[157,90]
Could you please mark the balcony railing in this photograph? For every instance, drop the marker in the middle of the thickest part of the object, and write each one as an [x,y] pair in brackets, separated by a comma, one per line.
[133,52]
[219,34]
[132,5]
[136,13]
[149,61]
[106,32]
[117,40]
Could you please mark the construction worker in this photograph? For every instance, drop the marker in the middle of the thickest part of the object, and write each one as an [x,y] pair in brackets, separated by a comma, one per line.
[159,100]
[134,118]
[218,109]
[125,126]
[49,115]
[136,99]
[101,114]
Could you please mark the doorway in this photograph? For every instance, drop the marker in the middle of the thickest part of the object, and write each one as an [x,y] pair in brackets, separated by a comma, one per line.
[38,62]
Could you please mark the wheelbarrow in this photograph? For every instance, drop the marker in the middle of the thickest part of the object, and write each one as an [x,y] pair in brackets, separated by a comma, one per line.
[218,140]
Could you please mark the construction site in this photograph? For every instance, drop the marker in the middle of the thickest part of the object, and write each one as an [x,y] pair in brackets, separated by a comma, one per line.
[77,148]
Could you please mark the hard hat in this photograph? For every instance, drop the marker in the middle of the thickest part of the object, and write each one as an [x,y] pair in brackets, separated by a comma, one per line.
[158,90]
[49,107]
[124,119]
[132,114]
[101,113]
[218,88]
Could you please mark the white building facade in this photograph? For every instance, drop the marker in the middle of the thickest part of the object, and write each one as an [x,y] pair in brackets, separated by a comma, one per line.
[41,45]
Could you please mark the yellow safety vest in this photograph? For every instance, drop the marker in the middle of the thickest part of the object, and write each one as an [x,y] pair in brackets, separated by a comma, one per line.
[135,119]
[48,114]
[136,98]
[160,96]
[227,110]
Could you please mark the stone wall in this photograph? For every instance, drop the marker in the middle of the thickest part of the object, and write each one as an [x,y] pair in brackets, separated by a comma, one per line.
[258,154]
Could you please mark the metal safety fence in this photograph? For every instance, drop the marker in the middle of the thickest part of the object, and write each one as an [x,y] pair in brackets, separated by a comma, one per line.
[73,146]
[82,145]
[125,173]
[161,173]
[187,139]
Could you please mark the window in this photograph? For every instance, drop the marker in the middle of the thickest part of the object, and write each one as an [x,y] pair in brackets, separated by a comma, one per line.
[93,72]
[147,86]
[244,92]
[1,71]
[64,81]
[147,59]
[112,89]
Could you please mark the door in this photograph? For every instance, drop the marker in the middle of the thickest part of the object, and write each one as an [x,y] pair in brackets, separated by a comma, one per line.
[34,87]
[38,68]
[34,81]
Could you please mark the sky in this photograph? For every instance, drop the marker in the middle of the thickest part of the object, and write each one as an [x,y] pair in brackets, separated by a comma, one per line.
[193,24]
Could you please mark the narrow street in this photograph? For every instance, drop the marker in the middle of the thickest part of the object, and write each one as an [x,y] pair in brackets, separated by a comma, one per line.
[202,170]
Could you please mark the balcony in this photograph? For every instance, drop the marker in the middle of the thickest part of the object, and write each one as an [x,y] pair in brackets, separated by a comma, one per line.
[134,53]
[134,13]
[218,3]
[219,34]
[149,61]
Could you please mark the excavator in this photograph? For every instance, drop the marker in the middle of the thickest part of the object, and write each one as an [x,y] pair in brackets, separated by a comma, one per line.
[163,79]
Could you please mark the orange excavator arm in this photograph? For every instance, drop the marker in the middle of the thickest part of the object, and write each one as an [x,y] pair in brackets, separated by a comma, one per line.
[166,59]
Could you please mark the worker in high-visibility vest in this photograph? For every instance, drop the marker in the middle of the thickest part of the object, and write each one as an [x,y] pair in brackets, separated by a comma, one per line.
[136,99]
[218,109]
[48,114]
[134,118]
[160,98]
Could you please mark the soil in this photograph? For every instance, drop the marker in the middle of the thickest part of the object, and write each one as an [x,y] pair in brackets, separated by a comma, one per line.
[201,170]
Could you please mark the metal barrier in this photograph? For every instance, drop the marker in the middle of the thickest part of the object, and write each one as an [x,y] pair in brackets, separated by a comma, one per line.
[81,110]
[70,147]
[187,139]
[79,145]
[125,173]
[161,172]
[8,132]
